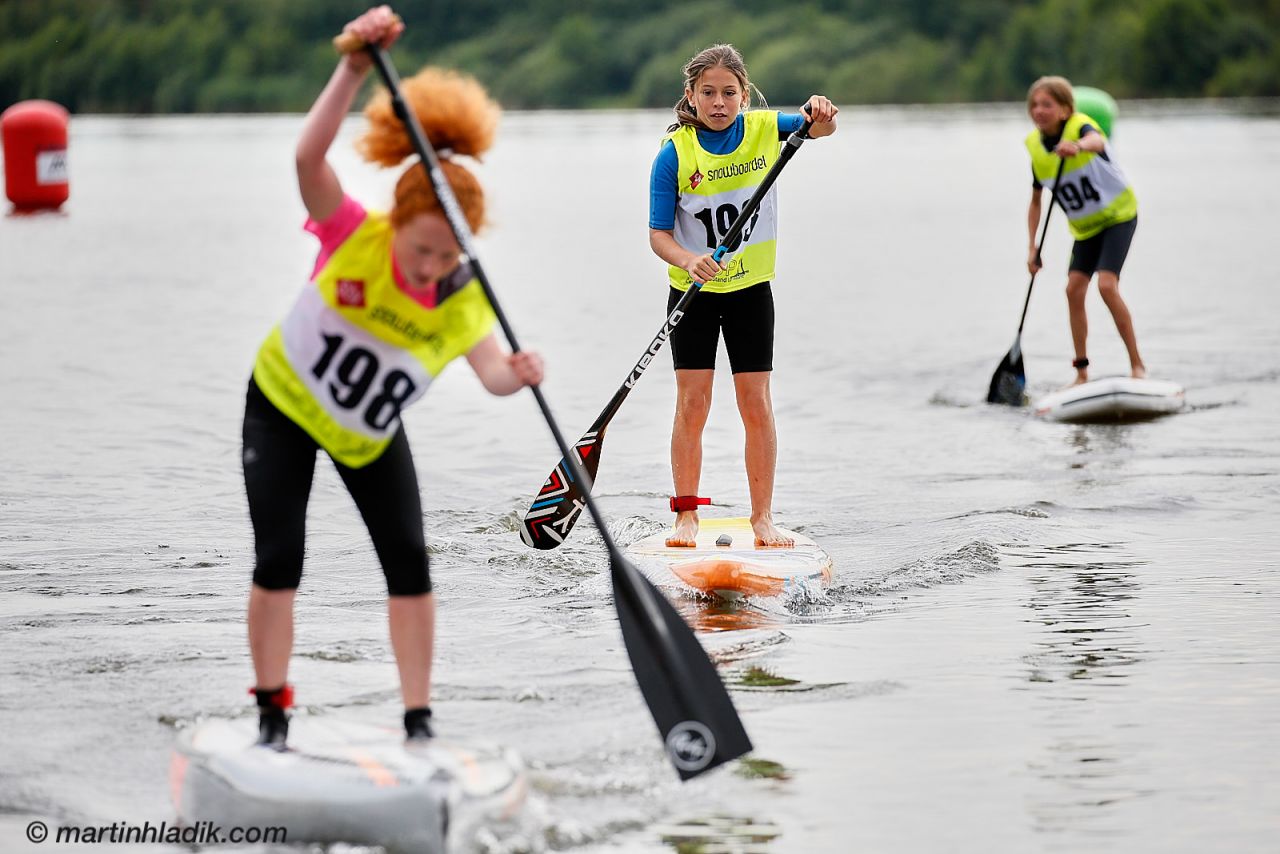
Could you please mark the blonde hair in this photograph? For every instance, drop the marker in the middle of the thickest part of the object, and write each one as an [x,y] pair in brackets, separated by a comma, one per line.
[717,56]
[458,117]
[1059,89]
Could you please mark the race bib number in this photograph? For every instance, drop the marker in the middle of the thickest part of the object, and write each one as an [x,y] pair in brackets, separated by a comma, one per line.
[718,224]
[355,380]
[362,381]
[1074,195]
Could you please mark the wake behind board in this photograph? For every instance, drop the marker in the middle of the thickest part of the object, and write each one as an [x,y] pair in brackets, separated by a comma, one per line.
[342,781]
[1112,399]
[741,568]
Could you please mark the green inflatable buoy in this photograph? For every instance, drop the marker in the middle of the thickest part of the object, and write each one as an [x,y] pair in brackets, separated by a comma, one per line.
[1097,105]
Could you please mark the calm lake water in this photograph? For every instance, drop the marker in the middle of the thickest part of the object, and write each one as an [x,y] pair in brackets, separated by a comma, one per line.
[1040,637]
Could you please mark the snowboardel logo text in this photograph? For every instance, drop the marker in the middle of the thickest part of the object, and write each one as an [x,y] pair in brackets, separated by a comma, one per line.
[735,169]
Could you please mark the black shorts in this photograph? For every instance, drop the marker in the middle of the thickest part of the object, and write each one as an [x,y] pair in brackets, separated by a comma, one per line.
[279,461]
[1106,250]
[745,317]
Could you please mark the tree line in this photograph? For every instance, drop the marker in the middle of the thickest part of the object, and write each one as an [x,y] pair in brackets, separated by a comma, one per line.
[186,56]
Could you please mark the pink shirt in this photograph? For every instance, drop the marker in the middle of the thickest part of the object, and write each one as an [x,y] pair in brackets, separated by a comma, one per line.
[340,225]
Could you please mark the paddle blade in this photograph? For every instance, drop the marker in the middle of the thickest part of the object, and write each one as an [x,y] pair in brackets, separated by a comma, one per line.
[560,502]
[1009,382]
[700,728]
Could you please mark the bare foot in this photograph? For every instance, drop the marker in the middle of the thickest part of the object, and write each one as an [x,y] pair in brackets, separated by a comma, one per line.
[1139,372]
[685,532]
[768,535]
[1082,377]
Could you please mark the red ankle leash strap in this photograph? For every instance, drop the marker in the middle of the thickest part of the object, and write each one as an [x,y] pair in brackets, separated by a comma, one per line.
[681,503]
[280,698]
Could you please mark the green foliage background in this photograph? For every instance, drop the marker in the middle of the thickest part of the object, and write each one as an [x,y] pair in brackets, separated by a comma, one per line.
[159,56]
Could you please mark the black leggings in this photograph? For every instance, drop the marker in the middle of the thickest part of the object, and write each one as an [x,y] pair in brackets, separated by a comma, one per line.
[279,461]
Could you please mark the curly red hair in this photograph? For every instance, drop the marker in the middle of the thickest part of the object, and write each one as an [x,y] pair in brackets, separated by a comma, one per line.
[458,117]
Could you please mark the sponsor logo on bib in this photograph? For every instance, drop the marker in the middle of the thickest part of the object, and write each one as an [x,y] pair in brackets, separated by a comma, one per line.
[735,169]
[351,293]
[695,179]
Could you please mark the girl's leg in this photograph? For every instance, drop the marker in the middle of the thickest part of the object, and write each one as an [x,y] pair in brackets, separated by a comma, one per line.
[413,626]
[693,404]
[1109,288]
[756,407]
[270,635]
[1077,288]
[279,462]
[386,493]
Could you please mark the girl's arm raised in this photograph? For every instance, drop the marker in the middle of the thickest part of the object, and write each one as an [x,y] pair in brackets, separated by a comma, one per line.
[318,183]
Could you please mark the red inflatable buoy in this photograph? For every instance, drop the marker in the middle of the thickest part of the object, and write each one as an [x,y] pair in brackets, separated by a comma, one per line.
[35,155]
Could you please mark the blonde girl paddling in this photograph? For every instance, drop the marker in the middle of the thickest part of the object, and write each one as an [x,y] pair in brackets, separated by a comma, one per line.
[709,163]
[1101,210]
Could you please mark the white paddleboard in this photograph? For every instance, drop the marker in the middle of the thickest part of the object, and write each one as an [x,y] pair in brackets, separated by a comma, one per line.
[342,781]
[741,568]
[1112,399]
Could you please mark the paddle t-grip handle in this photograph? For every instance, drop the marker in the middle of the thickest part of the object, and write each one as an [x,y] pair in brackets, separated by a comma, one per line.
[350,42]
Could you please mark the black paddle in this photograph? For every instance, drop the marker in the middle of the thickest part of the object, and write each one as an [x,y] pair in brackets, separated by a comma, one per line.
[559,503]
[1009,382]
[697,720]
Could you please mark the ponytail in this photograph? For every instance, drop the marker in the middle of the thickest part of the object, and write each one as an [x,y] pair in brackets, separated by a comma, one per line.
[458,117]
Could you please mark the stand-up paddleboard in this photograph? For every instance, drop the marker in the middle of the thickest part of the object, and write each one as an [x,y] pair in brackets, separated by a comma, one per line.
[1112,399]
[726,561]
[341,781]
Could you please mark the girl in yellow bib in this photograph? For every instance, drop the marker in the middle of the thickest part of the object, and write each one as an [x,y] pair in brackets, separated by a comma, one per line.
[710,162]
[390,303]
[1101,210]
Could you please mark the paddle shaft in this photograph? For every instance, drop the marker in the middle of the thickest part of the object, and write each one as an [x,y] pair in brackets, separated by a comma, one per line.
[627,580]
[1053,197]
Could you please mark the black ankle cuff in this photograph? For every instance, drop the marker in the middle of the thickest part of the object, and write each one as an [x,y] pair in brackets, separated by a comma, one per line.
[280,699]
[1080,364]
[417,722]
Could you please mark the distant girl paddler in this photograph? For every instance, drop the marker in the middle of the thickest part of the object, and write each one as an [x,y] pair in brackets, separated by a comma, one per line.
[390,303]
[710,162]
[1101,210]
